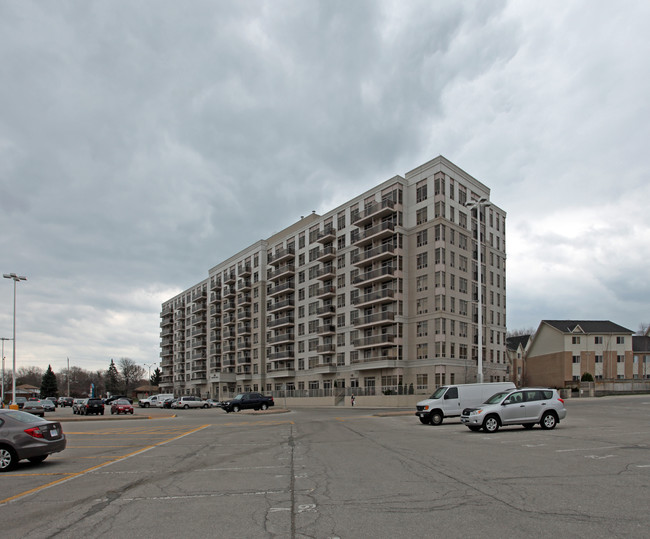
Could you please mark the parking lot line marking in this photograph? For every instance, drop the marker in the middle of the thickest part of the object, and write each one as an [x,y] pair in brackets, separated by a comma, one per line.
[587,449]
[74,475]
[248,423]
[35,474]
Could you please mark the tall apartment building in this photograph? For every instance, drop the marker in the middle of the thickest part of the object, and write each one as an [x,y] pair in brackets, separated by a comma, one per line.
[379,295]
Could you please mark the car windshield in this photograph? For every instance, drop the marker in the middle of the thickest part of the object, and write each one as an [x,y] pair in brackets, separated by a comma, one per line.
[238,397]
[438,393]
[23,417]
[497,397]
[122,401]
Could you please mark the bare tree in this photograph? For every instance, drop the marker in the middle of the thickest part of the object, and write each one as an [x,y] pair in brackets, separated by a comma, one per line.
[520,332]
[131,372]
[643,329]
[29,375]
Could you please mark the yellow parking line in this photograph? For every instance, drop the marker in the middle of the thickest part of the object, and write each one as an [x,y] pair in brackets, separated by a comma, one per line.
[74,475]
[237,424]
[8,476]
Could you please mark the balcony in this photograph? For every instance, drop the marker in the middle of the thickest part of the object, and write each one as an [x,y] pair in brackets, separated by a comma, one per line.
[244,270]
[280,322]
[243,358]
[326,310]
[229,347]
[285,305]
[376,361]
[166,331]
[230,278]
[244,299]
[377,319]
[275,370]
[283,271]
[229,292]
[229,333]
[229,319]
[327,235]
[200,295]
[215,336]
[382,252]
[327,329]
[244,329]
[326,272]
[244,314]
[199,307]
[281,288]
[215,296]
[377,232]
[385,273]
[244,284]
[199,319]
[229,305]
[327,253]
[372,211]
[215,283]
[215,309]
[199,330]
[281,355]
[322,365]
[282,255]
[328,348]
[326,292]
[286,337]
[215,322]
[385,339]
[199,342]
[166,321]
[381,296]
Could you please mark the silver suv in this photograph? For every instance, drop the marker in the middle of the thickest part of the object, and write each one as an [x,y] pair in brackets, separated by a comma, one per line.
[525,406]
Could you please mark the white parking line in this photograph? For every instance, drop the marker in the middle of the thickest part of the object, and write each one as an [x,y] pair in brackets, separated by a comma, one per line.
[588,449]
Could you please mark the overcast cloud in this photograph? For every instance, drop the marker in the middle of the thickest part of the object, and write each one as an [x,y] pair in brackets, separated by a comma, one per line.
[141,143]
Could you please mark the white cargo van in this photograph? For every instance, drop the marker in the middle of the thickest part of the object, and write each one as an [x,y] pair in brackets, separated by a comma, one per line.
[449,401]
[156,400]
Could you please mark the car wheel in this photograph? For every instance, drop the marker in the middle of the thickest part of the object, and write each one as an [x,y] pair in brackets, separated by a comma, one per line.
[37,460]
[474,428]
[548,421]
[146,405]
[265,406]
[131,412]
[206,406]
[186,406]
[491,424]
[436,418]
[424,420]
[8,459]
[235,408]
[529,425]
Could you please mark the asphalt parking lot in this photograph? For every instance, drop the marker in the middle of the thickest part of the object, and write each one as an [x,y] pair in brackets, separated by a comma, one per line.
[338,472]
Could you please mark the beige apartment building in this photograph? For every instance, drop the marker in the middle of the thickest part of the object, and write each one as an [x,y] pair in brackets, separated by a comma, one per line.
[377,296]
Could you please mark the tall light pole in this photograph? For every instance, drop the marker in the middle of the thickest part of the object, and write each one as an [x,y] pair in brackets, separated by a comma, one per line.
[150,365]
[15,278]
[480,203]
[2,399]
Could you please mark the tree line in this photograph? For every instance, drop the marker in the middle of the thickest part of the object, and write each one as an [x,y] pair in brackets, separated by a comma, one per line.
[118,379]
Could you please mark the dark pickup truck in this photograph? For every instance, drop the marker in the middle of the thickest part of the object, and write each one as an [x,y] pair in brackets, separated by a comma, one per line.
[247,401]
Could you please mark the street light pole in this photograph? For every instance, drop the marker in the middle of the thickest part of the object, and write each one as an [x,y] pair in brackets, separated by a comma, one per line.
[2,399]
[15,278]
[149,365]
[481,203]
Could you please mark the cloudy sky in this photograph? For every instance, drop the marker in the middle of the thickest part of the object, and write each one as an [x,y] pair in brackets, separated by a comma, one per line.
[141,143]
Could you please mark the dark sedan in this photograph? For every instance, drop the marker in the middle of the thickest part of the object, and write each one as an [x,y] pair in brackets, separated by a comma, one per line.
[34,407]
[25,436]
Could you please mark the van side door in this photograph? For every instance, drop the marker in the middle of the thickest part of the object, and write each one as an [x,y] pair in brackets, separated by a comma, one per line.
[451,402]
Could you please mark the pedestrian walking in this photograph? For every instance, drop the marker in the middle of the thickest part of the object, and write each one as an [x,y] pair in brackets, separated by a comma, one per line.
[352,400]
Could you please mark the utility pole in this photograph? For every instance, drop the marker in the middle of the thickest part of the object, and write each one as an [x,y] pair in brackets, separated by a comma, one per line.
[2,399]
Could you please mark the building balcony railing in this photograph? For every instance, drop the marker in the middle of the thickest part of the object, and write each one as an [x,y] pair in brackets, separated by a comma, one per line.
[199,295]
[375,340]
[229,319]
[287,336]
[215,323]
[215,336]
[387,250]
[244,299]
[199,330]
[230,278]
[283,271]
[280,370]
[327,235]
[244,284]
[281,288]
[244,270]
[229,305]
[243,344]
[380,296]
[326,329]
[380,274]
[282,355]
[215,283]
[391,356]
[327,348]
[326,310]
[229,333]
[377,209]
[243,329]
[360,238]
[279,322]
[281,305]
[326,272]
[327,253]
[243,358]
[244,314]
[377,319]
[281,255]
[326,292]
[199,307]
[215,309]
[229,347]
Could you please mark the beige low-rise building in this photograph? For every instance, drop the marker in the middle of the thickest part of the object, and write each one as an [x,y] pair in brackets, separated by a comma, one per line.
[562,351]
[377,296]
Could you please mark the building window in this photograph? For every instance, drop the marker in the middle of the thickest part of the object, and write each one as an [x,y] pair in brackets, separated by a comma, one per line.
[421,238]
[422,329]
[421,191]
[620,340]
[576,359]
[421,261]
[620,359]
[575,340]
[422,381]
[421,216]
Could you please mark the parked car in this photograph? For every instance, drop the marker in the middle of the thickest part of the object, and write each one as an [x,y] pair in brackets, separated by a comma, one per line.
[247,401]
[213,403]
[121,406]
[190,402]
[91,406]
[76,406]
[451,400]
[48,405]
[34,407]
[110,400]
[168,402]
[526,406]
[53,400]
[25,436]
[65,401]
[154,400]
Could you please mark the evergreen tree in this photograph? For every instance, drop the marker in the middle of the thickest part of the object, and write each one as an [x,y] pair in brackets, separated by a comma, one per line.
[156,377]
[49,387]
[112,379]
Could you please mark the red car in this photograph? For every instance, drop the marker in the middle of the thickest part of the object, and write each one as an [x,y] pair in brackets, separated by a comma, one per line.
[121,406]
